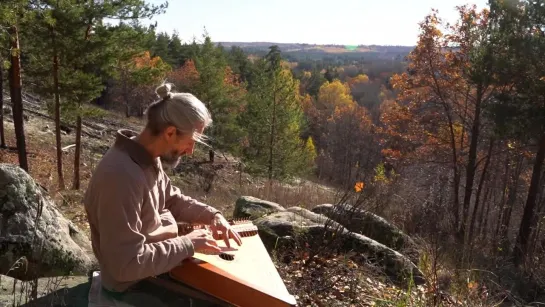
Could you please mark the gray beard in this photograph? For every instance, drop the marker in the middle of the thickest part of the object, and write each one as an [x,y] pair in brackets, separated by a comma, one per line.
[170,161]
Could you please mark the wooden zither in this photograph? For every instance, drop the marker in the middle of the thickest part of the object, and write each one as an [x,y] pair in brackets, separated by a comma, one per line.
[240,275]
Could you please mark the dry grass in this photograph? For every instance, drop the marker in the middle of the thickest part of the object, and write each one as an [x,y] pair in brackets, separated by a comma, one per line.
[222,183]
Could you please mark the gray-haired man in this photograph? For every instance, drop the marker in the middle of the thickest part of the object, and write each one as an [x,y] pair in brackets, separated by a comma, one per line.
[132,206]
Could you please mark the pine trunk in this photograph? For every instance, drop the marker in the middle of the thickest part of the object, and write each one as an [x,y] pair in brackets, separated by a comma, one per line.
[471,163]
[508,208]
[484,217]
[536,223]
[57,111]
[2,137]
[77,155]
[502,201]
[456,172]
[479,190]
[521,246]
[17,98]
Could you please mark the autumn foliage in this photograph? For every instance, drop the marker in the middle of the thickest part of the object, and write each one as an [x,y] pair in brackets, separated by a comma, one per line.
[185,78]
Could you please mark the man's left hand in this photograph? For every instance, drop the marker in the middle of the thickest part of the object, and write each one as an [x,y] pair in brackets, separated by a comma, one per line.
[219,223]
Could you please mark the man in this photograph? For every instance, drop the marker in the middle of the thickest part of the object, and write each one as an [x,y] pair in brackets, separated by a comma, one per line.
[132,206]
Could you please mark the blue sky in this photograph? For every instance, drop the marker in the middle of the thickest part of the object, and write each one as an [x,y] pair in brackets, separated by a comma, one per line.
[349,22]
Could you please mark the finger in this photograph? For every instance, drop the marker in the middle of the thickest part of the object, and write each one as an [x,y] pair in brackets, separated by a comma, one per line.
[226,237]
[211,241]
[215,231]
[237,238]
[213,247]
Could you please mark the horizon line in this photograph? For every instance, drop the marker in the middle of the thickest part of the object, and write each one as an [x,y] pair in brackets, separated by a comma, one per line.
[315,44]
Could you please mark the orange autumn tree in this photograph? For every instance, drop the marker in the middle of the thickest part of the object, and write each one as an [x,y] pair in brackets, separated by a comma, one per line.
[234,89]
[359,86]
[185,78]
[342,131]
[437,115]
[138,78]
[349,143]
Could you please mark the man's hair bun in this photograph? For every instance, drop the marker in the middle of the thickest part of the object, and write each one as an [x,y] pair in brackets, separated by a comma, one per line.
[163,90]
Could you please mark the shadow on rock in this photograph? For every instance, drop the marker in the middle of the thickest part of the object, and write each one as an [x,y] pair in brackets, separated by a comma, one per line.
[76,296]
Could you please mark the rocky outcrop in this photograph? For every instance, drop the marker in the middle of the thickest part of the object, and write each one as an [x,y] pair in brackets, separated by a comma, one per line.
[251,207]
[372,226]
[35,239]
[49,291]
[285,229]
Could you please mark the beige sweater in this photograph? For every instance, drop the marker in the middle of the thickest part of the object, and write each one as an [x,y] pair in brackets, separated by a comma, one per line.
[132,210]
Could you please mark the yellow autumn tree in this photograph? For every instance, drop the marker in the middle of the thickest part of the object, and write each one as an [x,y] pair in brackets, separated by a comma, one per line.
[334,94]
[310,152]
[359,79]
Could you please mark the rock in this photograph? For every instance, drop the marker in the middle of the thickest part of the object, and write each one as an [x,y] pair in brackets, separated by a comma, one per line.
[285,228]
[6,109]
[34,234]
[50,291]
[315,217]
[251,207]
[65,128]
[282,226]
[324,209]
[372,226]
[395,264]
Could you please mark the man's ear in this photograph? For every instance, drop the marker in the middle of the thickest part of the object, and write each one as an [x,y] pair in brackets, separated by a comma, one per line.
[170,132]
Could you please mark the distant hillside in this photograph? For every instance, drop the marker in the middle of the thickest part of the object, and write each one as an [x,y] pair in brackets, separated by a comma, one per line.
[313,51]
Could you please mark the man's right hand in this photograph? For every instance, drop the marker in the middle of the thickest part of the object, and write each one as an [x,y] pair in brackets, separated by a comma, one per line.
[203,242]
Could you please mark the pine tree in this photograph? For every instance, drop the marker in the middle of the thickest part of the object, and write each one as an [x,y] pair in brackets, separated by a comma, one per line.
[2,67]
[177,52]
[12,13]
[162,48]
[520,114]
[80,51]
[223,98]
[272,120]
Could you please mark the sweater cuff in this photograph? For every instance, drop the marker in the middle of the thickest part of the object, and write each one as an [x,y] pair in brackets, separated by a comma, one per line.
[187,245]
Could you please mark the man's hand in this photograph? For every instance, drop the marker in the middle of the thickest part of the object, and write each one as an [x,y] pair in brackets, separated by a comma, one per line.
[219,223]
[203,242]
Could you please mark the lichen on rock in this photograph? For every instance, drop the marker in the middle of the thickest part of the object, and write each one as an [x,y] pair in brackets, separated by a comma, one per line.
[33,229]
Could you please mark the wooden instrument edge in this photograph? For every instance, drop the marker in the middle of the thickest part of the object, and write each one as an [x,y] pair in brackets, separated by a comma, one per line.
[228,287]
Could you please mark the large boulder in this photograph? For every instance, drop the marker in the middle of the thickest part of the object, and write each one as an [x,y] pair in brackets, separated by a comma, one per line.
[35,239]
[315,217]
[249,207]
[290,227]
[372,226]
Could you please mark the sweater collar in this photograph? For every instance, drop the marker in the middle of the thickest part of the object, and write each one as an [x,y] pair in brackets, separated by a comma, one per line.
[125,140]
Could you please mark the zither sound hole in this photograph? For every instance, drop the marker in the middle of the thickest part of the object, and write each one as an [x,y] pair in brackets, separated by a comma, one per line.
[227,257]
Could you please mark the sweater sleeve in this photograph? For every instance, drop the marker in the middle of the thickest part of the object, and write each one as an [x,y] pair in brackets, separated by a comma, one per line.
[125,253]
[185,208]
